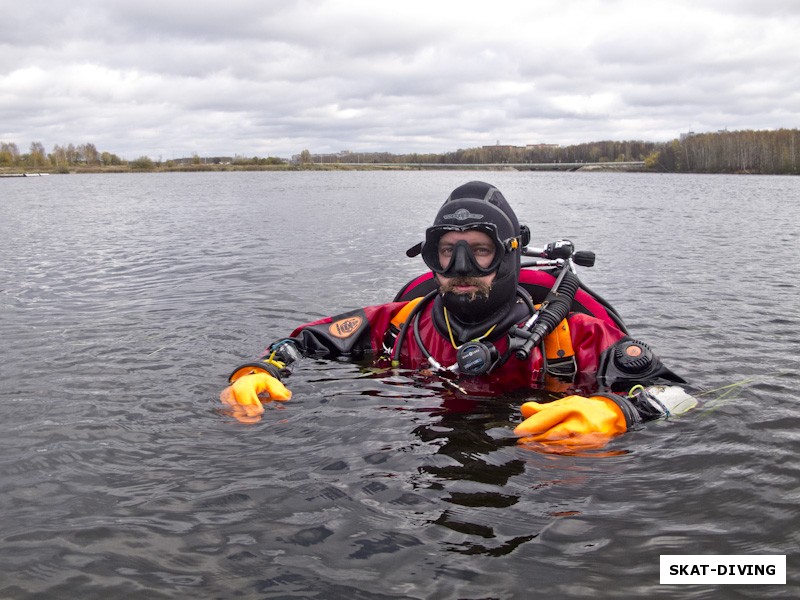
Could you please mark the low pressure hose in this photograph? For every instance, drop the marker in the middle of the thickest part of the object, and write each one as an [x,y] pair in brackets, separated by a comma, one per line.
[558,307]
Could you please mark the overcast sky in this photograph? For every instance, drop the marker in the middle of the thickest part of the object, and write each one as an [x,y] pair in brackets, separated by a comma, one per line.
[169,78]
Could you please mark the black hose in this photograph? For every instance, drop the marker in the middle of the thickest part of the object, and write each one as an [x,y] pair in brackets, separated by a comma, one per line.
[559,305]
[401,334]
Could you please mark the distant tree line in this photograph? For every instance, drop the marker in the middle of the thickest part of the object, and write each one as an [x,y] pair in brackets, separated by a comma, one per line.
[605,151]
[763,152]
[60,159]
[87,156]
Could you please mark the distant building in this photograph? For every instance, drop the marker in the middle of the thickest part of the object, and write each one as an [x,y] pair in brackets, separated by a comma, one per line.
[502,148]
[526,147]
[205,160]
[324,158]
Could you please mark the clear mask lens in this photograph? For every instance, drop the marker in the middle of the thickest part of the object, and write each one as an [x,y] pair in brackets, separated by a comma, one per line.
[462,259]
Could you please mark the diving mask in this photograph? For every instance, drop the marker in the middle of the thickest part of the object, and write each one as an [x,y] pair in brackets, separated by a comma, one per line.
[463,261]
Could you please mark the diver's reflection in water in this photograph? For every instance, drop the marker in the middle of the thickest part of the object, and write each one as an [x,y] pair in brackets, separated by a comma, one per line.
[473,467]
[486,495]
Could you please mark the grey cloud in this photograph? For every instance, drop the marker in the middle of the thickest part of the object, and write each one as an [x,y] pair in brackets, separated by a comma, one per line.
[274,77]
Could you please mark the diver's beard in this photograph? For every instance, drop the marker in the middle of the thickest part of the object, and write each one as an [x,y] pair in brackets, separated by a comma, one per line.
[449,285]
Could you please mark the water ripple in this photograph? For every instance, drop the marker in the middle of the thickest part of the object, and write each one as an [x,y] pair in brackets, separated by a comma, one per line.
[126,300]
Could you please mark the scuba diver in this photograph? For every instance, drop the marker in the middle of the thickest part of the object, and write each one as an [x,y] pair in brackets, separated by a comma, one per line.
[474,322]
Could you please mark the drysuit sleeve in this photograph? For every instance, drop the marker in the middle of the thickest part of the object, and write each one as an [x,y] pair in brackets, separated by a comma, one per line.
[653,402]
[630,374]
[347,334]
[352,334]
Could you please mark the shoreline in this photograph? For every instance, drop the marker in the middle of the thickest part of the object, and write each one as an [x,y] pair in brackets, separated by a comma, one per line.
[609,167]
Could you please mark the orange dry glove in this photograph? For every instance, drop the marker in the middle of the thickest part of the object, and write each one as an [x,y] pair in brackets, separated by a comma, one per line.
[242,395]
[571,421]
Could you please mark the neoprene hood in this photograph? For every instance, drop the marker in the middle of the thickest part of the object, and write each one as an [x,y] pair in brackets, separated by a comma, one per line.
[479,206]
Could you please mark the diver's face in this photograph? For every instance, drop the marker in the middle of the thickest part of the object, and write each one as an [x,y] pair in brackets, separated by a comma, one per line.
[482,248]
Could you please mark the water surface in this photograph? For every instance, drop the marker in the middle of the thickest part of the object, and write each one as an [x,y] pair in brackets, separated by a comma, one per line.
[126,299]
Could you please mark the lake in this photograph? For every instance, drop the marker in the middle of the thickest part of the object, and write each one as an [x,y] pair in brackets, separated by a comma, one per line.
[125,301]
